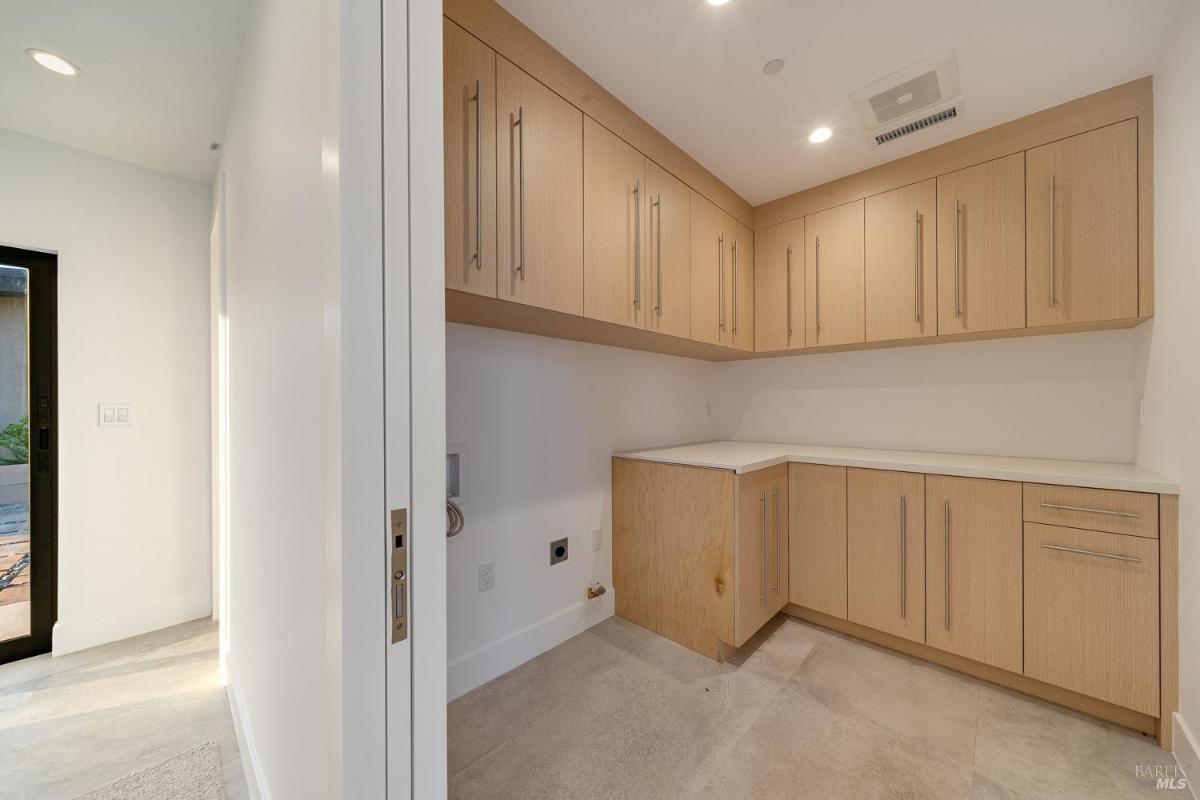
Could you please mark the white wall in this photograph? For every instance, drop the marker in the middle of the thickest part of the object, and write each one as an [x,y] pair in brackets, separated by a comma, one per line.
[132,244]
[1066,396]
[1168,346]
[540,418]
[280,246]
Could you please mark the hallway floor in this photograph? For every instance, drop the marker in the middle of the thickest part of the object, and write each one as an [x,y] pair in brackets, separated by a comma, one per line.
[618,712]
[74,723]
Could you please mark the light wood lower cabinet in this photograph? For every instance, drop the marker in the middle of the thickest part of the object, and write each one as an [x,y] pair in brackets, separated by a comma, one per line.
[669,253]
[834,276]
[885,551]
[762,549]
[1091,614]
[973,569]
[779,287]
[901,263]
[616,222]
[818,525]
[539,138]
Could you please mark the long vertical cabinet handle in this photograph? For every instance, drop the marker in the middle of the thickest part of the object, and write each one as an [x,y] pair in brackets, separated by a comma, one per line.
[721,279]
[657,206]
[775,497]
[946,554]
[957,259]
[637,245]
[478,101]
[520,126]
[763,534]
[1052,237]
[903,557]
[789,293]
[735,283]
[918,268]
[818,276]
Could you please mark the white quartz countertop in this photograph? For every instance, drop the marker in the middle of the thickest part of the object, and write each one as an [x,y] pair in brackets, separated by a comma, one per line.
[744,457]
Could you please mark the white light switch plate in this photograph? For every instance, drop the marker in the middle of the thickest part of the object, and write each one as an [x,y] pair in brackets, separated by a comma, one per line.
[115,415]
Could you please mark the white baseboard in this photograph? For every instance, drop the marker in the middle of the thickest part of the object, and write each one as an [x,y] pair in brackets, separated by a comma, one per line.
[245,737]
[71,635]
[1187,752]
[493,660]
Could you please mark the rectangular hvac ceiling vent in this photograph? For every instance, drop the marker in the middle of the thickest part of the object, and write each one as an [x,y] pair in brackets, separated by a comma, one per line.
[917,125]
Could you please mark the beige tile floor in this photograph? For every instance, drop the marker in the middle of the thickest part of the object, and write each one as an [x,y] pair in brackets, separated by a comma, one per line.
[619,713]
[71,724]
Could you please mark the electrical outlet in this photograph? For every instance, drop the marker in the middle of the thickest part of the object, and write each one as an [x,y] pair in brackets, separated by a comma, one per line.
[558,551]
[487,576]
[597,539]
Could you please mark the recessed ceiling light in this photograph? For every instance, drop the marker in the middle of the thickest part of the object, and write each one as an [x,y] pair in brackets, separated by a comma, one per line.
[52,62]
[819,135]
[717,2]
[773,67]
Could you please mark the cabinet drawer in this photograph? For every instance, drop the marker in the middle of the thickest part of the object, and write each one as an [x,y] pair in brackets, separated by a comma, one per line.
[1106,510]
[1091,614]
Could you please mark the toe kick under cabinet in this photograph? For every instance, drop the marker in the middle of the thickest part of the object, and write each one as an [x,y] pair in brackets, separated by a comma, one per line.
[1063,592]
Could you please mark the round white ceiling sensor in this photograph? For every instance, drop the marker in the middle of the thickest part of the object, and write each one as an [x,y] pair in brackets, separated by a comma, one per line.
[773,67]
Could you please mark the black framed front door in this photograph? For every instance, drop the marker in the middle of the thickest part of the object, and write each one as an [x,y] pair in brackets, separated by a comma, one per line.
[28,452]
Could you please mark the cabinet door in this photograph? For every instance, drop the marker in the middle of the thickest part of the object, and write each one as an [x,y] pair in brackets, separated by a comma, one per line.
[741,285]
[1082,240]
[761,576]
[834,287]
[981,247]
[779,287]
[901,263]
[708,271]
[469,116]
[669,253]
[615,224]
[885,551]
[540,194]
[1091,614]
[817,517]
[973,569]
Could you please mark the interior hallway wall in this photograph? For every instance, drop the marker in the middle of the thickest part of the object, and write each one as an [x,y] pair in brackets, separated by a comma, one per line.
[1169,345]
[133,526]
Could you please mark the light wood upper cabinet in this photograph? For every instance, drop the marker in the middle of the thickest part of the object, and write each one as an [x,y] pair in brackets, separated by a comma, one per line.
[616,221]
[973,569]
[469,114]
[669,253]
[834,276]
[709,248]
[762,549]
[1082,238]
[981,247]
[540,193]
[885,551]
[779,287]
[901,263]
[817,517]
[1091,614]
[740,292]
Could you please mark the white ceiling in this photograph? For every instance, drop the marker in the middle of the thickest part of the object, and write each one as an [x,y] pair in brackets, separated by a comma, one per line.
[155,82]
[694,71]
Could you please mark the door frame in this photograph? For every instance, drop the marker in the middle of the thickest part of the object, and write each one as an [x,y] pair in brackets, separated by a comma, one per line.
[42,294]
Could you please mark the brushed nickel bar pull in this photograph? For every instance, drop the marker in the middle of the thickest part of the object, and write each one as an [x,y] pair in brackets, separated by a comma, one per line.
[763,531]
[917,266]
[637,245]
[957,259]
[1052,281]
[946,568]
[903,557]
[478,99]
[775,495]
[1086,510]
[735,283]
[721,277]
[658,252]
[789,293]
[818,277]
[1081,552]
[521,183]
